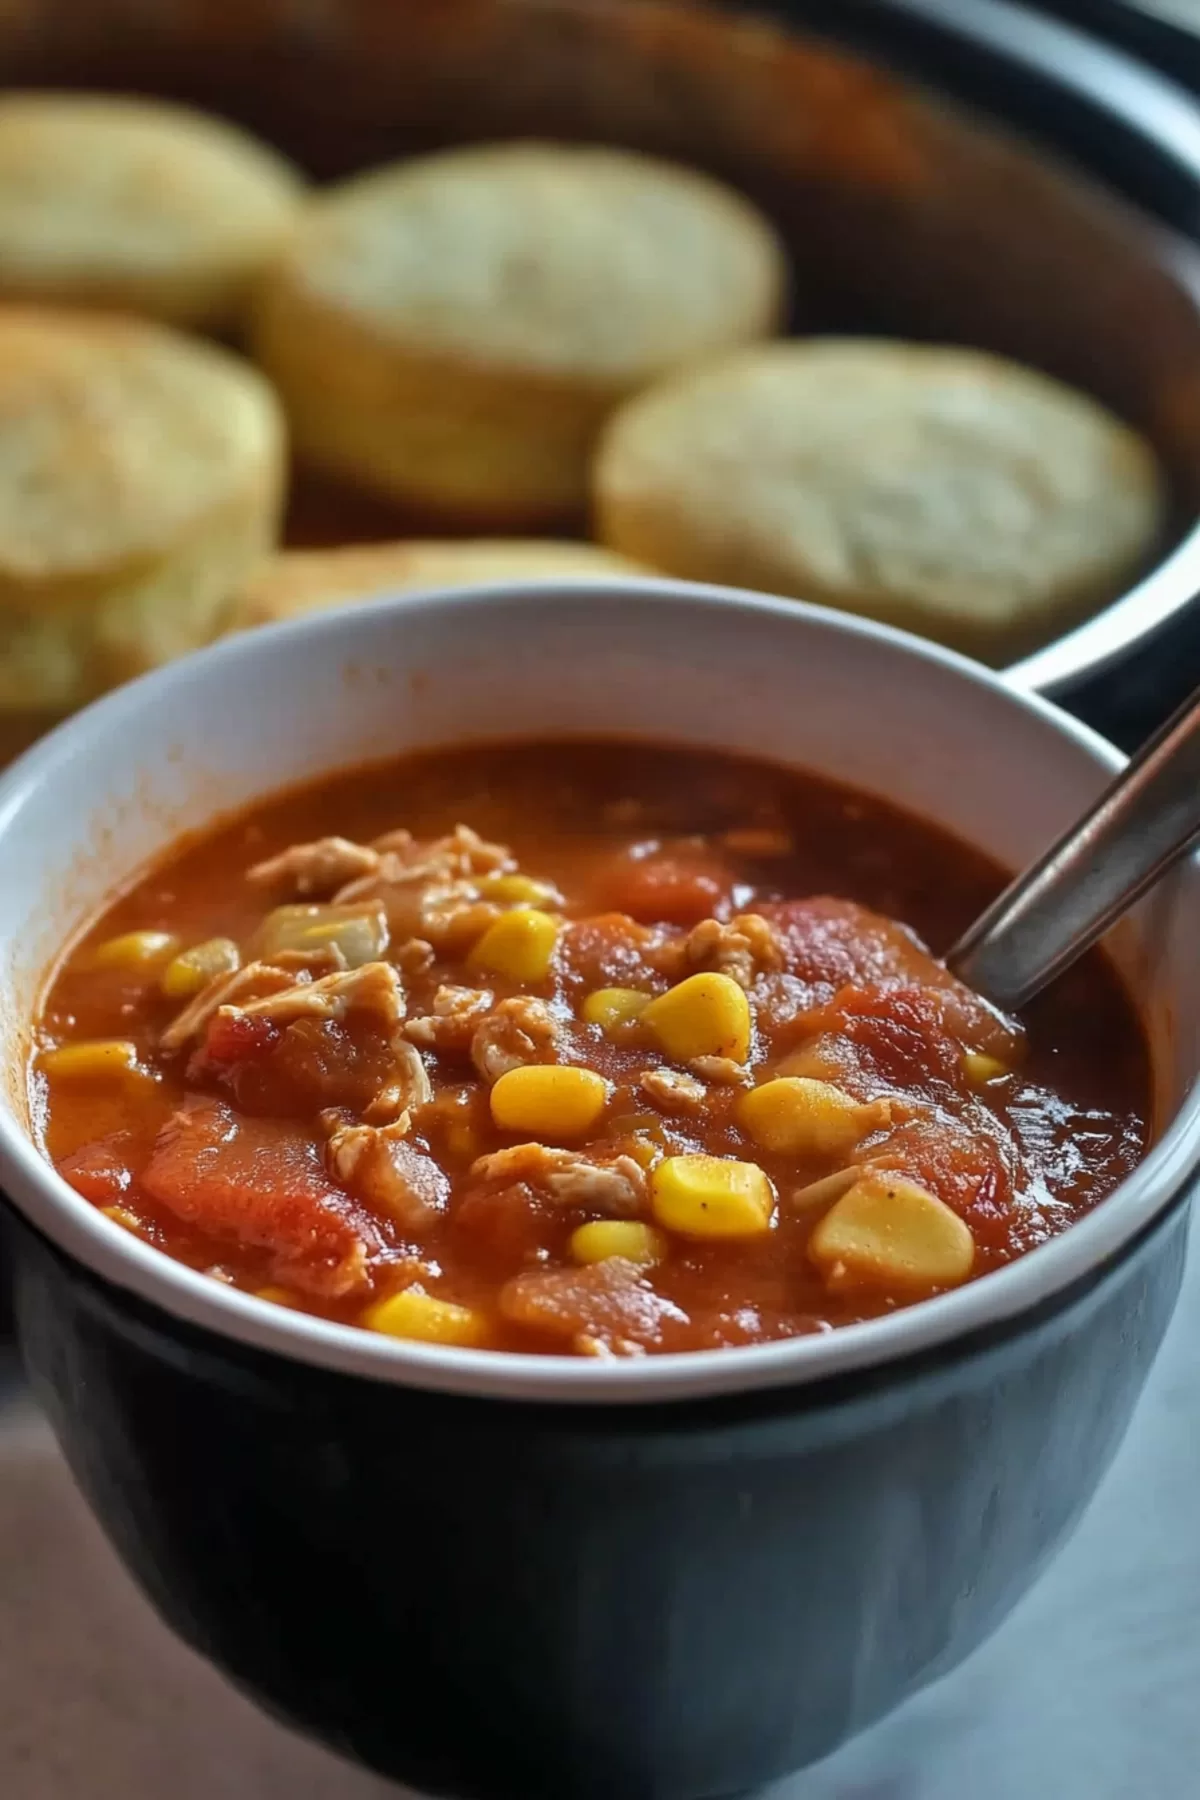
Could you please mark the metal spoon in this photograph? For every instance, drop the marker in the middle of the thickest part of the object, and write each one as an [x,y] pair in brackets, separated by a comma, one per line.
[1143,824]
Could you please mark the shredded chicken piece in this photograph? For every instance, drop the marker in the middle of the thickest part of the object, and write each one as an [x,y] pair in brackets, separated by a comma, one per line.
[464,852]
[374,987]
[744,949]
[402,862]
[722,1071]
[453,915]
[424,904]
[257,980]
[393,1176]
[672,1090]
[408,1088]
[820,1194]
[414,957]
[431,890]
[451,1025]
[399,843]
[321,959]
[316,870]
[614,1186]
[518,1031]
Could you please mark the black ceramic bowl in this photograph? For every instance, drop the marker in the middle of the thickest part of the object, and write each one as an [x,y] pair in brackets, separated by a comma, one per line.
[493,1575]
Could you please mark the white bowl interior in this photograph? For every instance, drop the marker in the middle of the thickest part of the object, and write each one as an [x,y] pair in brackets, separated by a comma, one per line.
[648,660]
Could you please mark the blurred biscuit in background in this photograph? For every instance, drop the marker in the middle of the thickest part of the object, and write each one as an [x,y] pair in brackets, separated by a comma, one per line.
[946,491]
[136,205]
[302,581]
[452,332]
[141,477]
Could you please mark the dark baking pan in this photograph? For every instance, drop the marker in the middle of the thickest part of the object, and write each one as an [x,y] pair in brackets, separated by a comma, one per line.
[906,215]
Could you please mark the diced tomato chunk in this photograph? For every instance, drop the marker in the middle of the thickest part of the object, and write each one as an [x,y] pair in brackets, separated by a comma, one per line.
[98,1171]
[260,1185]
[296,1069]
[837,943]
[898,1034]
[964,1166]
[233,1037]
[670,889]
[833,944]
[507,1225]
[608,950]
[609,1302]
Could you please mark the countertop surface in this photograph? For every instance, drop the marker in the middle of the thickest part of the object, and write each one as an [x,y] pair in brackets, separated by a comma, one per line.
[1091,1691]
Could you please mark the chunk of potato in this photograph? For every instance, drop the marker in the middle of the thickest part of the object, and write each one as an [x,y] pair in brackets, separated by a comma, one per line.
[889,1232]
[712,1197]
[797,1116]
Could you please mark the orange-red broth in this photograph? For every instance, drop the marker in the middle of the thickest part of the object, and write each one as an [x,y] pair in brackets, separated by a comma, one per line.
[665,838]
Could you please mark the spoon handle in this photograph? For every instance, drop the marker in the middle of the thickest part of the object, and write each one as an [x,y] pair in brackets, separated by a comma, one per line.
[1054,911]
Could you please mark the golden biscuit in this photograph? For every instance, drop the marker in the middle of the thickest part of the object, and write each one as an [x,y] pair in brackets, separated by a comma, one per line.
[303,581]
[943,490]
[135,205]
[453,331]
[141,477]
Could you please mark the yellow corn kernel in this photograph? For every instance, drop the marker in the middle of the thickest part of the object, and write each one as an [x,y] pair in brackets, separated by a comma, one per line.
[517,890]
[121,1215]
[135,951]
[411,1314]
[613,1009]
[799,1117]
[278,1296]
[193,969]
[980,1069]
[105,1059]
[519,946]
[706,1015]
[549,1102]
[626,1238]
[711,1197]
[889,1232]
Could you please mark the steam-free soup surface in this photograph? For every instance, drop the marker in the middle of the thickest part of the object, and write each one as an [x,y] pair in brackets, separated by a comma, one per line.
[577,1048]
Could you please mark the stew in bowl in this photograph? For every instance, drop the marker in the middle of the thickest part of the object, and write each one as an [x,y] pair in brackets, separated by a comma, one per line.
[577,1047]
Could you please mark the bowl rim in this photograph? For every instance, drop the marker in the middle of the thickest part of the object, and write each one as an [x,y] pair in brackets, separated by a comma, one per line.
[79,1230]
